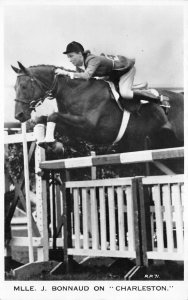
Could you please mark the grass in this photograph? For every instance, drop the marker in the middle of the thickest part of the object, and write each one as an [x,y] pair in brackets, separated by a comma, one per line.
[100,268]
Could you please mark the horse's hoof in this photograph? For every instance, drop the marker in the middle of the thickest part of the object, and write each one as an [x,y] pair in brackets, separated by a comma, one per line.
[42,144]
[58,148]
[49,141]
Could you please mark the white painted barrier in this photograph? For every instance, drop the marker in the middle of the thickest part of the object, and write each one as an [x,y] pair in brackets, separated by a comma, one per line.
[106,214]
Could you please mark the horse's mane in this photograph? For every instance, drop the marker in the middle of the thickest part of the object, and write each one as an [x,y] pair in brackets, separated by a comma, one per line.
[36,69]
[51,66]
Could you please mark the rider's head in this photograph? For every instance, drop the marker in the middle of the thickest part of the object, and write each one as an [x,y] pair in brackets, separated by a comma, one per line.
[75,52]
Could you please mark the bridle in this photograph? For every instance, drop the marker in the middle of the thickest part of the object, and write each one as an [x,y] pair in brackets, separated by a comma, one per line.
[33,103]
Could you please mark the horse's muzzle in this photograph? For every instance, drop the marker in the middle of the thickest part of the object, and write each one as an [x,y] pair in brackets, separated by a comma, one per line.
[21,117]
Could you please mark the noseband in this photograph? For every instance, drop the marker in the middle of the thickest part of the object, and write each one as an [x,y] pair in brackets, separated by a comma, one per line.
[33,103]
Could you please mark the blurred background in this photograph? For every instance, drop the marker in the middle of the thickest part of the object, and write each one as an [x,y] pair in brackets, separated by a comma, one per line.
[152,34]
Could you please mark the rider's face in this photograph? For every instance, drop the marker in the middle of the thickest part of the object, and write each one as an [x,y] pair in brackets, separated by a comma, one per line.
[76,58]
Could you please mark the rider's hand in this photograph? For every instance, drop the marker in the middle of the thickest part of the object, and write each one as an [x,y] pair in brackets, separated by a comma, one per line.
[50,98]
[59,71]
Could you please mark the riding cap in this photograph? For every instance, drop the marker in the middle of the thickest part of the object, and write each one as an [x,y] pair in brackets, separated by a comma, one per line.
[74,47]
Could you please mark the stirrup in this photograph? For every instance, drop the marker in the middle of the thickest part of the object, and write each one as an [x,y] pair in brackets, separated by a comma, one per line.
[164,101]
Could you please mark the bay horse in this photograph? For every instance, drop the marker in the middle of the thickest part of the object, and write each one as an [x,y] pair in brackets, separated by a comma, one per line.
[86,109]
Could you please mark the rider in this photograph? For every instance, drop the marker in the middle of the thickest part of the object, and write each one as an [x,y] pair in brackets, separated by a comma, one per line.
[118,69]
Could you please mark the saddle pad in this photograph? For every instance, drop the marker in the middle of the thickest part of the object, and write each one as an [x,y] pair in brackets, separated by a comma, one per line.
[114,93]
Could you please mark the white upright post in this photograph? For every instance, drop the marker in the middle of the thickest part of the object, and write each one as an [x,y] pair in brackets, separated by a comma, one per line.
[93,169]
[28,203]
[41,203]
[7,250]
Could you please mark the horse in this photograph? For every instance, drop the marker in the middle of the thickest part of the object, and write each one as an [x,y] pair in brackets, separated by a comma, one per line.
[87,109]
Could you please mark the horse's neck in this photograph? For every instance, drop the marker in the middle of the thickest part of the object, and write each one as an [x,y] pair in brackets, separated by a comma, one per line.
[80,93]
[45,75]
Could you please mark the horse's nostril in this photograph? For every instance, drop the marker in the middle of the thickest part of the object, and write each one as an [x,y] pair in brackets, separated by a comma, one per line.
[19,116]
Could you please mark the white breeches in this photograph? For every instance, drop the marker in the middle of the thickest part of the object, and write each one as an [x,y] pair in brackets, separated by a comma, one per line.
[126,83]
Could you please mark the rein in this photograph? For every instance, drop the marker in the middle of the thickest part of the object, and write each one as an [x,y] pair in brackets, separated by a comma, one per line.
[33,103]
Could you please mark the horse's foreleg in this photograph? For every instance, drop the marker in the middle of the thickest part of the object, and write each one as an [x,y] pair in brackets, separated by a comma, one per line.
[50,129]
[43,137]
[52,120]
[39,129]
[41,120]
[61,120]
[67,119]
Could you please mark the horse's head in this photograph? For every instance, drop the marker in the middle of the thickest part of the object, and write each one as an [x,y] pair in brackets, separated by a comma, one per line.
[31,86]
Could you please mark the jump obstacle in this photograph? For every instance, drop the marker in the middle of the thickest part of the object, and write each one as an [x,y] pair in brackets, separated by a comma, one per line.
[141,218]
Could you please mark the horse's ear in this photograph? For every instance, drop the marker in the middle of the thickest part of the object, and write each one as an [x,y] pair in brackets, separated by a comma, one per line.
[15,69]
[22,68]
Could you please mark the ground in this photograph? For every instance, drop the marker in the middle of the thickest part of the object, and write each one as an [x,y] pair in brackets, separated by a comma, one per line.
[100,268]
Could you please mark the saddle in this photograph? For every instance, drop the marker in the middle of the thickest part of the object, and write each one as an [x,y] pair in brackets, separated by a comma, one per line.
[134,105]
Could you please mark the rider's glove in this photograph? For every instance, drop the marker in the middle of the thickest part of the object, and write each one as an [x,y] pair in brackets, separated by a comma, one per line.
[63,72]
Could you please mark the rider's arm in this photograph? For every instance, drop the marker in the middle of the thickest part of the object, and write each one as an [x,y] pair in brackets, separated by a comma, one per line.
[89,72]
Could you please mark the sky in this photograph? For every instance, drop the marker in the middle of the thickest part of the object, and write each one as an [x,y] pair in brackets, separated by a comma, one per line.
[38,34]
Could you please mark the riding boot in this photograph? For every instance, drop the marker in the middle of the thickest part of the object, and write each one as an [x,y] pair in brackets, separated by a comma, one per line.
[151,97]
[146,95]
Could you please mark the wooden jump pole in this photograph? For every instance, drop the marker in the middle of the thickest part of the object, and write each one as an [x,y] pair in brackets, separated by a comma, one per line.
[28,203]
[113,159]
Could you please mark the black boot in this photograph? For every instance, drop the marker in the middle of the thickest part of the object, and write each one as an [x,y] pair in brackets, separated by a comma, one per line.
[146,95]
